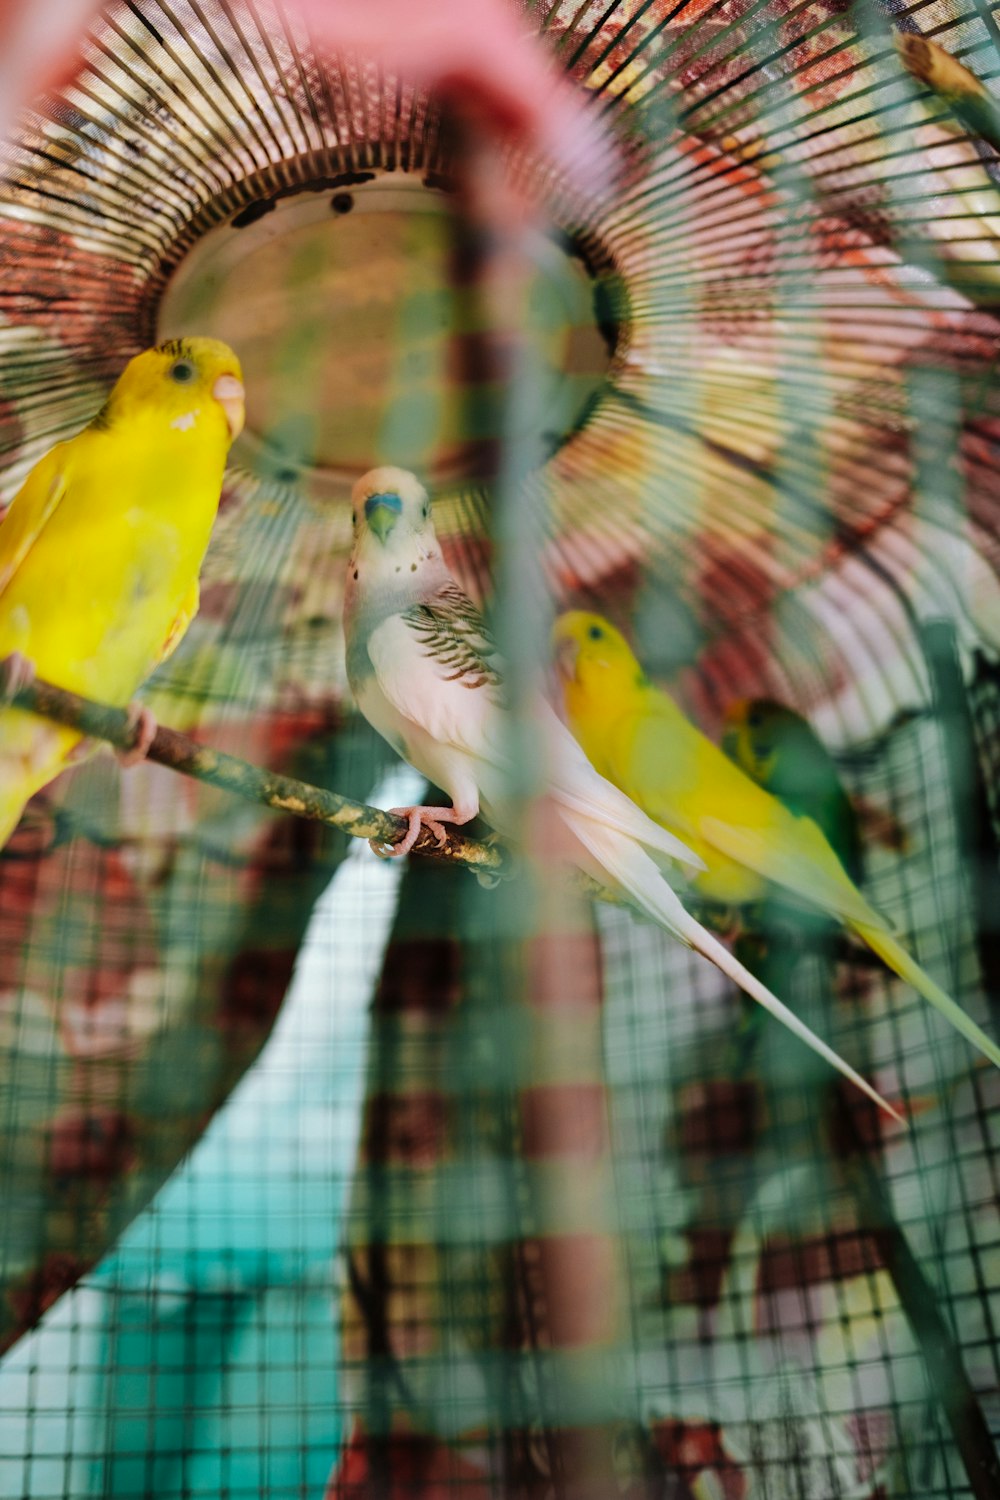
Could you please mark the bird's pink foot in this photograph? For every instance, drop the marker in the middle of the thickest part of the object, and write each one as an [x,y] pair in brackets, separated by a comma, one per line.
[144,724]
[419,817]
[16,672]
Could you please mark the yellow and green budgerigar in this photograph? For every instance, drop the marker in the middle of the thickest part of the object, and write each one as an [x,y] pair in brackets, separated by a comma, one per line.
[638,738]
[779,749]
[101,548]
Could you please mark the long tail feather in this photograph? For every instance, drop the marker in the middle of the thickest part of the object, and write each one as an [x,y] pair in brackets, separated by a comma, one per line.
[584,793]
[901,963]
[631,868]
[720,955]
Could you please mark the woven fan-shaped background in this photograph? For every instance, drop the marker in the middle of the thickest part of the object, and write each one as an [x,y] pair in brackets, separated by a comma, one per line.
[764,394]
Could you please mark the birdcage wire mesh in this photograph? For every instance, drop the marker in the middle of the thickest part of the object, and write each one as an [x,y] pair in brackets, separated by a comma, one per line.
[761,425]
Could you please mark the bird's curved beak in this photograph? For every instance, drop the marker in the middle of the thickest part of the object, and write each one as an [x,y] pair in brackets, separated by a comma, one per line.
[231,396]
[382,511]
[567,649]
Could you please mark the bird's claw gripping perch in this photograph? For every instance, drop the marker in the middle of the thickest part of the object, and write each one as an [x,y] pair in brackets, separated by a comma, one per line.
[16,673]
[417,817]
[143,722]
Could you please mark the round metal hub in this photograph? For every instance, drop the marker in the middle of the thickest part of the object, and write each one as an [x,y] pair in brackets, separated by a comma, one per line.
[360,343]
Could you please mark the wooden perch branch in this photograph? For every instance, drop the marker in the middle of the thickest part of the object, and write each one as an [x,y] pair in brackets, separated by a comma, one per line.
[284,793]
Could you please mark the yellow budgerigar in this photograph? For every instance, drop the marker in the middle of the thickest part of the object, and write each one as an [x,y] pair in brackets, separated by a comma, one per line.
[638,738]
[102,546]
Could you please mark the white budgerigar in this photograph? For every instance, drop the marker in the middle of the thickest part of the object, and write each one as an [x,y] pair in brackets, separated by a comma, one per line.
[425,674]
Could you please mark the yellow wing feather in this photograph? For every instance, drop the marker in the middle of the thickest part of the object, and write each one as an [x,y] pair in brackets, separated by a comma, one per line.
[795,855]
[28,513]
[178,629]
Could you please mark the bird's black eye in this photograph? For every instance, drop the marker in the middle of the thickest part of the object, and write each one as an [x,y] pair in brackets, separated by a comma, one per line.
[595,632]
[427,511]
[183,371]
[755,718]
